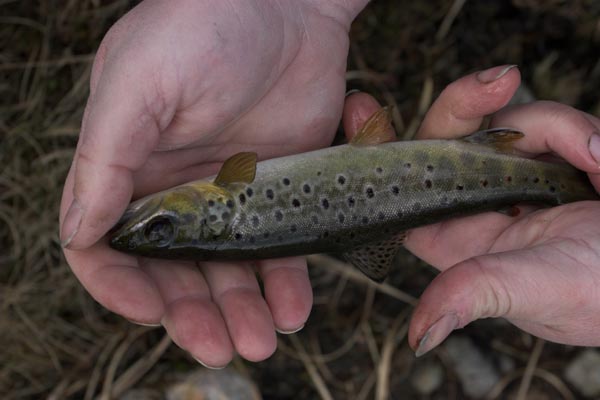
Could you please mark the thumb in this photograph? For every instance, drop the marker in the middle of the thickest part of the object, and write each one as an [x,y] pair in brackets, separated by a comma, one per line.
[525,286]
[119,131]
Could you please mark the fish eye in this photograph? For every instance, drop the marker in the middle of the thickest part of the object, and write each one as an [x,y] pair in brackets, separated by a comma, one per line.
[160,231]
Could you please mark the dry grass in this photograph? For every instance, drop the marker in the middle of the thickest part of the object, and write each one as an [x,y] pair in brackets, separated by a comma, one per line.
[58,343]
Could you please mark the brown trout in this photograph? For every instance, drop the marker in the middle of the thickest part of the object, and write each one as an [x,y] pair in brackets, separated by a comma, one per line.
[357,199]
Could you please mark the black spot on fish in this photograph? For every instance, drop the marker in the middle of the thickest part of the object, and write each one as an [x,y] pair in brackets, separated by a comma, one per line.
[293,228]
[365,220]
[238,236]
[395,190]
[379,170]
[430,168]
[306,188]
[381,216]
[428,183]
[459,187]
[407,165]
[318,173]
[370,192]
[242,198]
[325,234]
[255,221]
[341,179]
[211,203]
[296,203]
[483,182]
[325,203]
[266,235]
[536,179]
[351,202]
[546,181]
[341,217]
[508,179]
[352,235]
[278,215]
[249,192]
[552,189]
[286,181]
[212,218]
[269,193]
[230,203]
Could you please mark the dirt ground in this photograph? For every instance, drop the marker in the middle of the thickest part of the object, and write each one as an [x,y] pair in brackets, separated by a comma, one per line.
[56,342]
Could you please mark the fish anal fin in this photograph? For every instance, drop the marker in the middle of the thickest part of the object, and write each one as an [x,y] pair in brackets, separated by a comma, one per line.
[375,259]
[239,168]
[500,139]
[377,129]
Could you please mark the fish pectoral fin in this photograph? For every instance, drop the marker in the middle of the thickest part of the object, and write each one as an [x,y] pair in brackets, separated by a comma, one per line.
[500,139]
[375,259]
[375,130]
[239,168]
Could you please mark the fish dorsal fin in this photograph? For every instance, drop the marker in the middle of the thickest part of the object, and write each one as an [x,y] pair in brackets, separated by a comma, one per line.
[500,139]
[375,259]
[239,168]
[375,130]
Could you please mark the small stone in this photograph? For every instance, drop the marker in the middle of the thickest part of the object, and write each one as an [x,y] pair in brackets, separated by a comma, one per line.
[206,384]
[476,372]
[427,377]
[583,372]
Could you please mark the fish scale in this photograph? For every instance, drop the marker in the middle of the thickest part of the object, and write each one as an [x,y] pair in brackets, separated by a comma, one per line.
[353,199]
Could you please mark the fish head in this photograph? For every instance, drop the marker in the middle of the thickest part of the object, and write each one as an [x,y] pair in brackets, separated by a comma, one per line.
[171,222]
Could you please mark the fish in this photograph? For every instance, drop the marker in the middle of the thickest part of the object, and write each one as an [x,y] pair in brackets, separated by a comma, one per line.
[358,199]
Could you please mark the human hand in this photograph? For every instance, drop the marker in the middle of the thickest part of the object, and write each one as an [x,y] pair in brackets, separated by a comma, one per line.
[540,269]
[175,90]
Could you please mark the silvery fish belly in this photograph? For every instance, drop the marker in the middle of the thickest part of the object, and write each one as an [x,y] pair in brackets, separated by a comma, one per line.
[356,199]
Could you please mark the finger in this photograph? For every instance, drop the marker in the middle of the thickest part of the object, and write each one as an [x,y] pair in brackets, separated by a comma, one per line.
[235,290]
[115,280]
[358,108]
[120,128]
[525,285]
[447,243]
[556,128]
[191,318]
[461,106]
[287,291]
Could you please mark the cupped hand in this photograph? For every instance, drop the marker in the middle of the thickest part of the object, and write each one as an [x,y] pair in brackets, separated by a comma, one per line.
[175,90]
[540,269]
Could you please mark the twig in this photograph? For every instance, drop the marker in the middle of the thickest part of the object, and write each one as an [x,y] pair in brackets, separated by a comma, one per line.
[449,19]
[396,333]
[530,368]
[309,365]
[343,268]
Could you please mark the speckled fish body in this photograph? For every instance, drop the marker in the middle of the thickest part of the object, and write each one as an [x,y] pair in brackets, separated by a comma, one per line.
[339,199]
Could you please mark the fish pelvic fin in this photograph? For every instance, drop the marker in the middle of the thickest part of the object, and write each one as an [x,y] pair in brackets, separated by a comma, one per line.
[376,129]
[499,139]
[239,168]
[375,259]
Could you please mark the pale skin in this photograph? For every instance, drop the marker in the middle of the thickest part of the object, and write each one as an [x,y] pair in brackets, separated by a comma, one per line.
[177,90]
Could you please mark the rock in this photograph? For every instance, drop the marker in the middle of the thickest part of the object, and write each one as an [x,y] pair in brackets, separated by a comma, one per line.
[476,372]
[206,384]
[427,377]
[583,372]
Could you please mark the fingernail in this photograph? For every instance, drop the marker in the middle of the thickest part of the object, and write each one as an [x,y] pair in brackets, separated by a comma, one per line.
[351,91]
[594,146]
[290,332]
[493,74]
[209,366]
[144,323]
[71,223]
[437,333]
